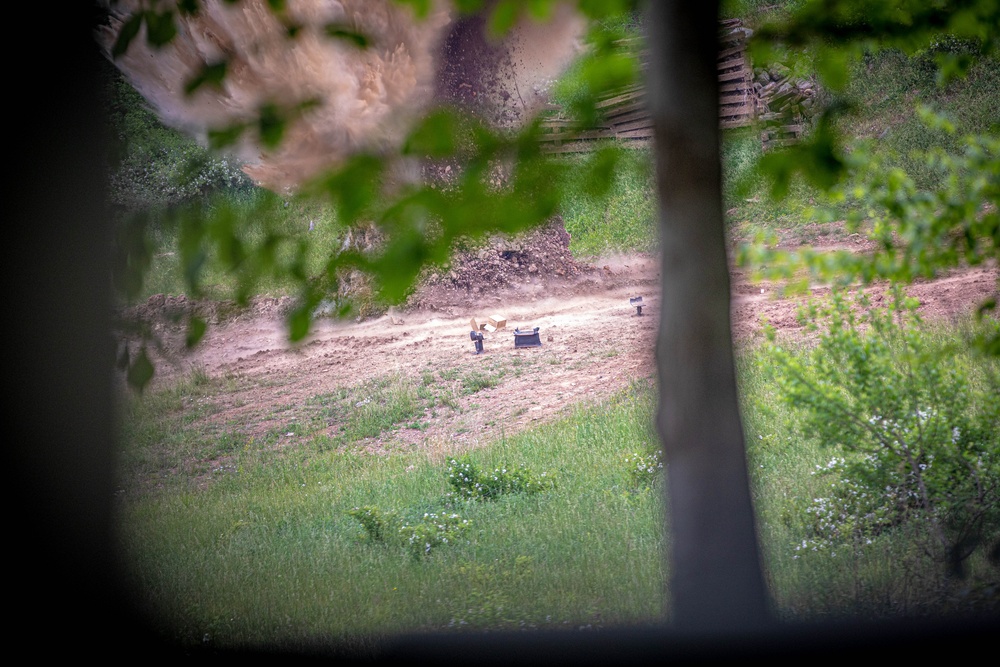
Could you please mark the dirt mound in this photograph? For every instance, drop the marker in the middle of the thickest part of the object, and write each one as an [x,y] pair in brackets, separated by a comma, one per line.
[534,258]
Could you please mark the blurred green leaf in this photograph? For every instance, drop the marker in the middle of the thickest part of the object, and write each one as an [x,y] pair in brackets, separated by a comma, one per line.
[421,8]
[192,252]
[300,320]
[160,28]
[355,186]
[541,10]
[468,6]
[602,9]
[435,136]
[130,28]
[600,170]
[339,31]
[189,7]
[222,137]
[195,331]
[212,74]
[271,125]
[952,66]
[135,255]
[832,64]
[503,17]
[140,371]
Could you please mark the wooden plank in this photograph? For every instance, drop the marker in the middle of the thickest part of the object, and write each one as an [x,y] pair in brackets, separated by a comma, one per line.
[576,136]
[741,85]
[627,89]
[634,125]
[725,54]
[625,108]
[620,99]
[734,99]
[741,122]
[617,119]
[557,123]
[625,116]
[785,129]
[733,76]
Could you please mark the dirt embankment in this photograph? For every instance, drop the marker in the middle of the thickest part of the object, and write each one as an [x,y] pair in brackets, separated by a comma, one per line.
[593,341]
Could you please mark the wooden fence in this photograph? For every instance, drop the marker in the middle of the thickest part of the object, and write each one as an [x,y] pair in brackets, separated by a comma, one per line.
[626,117]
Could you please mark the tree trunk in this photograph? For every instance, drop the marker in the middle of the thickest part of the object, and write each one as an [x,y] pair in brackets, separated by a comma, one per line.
[716,585]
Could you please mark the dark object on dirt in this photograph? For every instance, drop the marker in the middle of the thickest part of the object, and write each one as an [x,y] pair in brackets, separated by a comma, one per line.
[526,338]
[477,338]
[637,302]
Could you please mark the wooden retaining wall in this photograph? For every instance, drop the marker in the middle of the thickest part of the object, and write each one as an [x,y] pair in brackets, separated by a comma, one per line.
[625,116]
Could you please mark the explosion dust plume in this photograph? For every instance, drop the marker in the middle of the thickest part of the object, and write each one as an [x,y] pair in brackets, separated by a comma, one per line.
[366,98]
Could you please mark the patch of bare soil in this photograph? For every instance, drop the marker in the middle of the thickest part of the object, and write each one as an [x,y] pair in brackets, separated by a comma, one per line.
[593,342]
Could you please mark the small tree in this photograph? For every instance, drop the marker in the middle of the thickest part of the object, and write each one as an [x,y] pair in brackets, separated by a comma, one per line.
[914,432]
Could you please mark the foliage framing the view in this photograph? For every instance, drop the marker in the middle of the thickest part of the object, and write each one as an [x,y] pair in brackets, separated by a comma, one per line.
[920,231]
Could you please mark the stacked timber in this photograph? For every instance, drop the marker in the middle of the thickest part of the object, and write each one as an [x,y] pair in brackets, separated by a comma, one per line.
[784,104]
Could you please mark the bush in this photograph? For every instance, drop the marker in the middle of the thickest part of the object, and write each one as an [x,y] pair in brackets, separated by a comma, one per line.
[418,537]
[644,469]
[470,483]
[157,166]
[912,422]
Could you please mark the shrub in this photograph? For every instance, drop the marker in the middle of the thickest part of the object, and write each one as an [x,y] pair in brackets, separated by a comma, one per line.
[913,428]
[418,537]
[379,525]
[431,531]
[470,483]
[644,469]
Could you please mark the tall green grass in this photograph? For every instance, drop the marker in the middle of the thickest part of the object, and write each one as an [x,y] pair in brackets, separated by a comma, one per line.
[624,220]
[257,544]
[265,551]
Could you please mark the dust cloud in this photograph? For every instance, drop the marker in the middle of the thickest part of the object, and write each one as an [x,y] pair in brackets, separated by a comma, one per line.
[368,98]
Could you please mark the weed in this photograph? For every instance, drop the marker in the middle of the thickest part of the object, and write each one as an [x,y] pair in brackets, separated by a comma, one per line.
[418,537]
[471,483]
[644,469]
[477,381]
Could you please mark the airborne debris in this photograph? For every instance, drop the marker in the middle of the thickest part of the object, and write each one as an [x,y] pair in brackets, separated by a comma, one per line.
[495,322]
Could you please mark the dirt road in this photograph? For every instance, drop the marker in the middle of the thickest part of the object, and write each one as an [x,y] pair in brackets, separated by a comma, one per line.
[593,345]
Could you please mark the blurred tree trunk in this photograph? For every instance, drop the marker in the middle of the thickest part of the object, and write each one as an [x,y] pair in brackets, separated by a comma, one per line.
[716,582]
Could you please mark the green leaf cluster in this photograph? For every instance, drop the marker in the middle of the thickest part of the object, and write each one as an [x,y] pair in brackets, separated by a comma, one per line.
[419,537]
[919,232]
[913,425]
[471,483]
